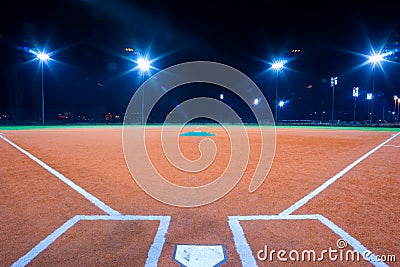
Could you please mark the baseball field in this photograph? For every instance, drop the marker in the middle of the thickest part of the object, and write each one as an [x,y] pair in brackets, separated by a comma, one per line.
[332,198]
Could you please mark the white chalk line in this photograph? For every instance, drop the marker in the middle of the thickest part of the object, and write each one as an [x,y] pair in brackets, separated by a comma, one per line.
[246,254]
[24,260]
[155,249]
[393,146]
[330,181]
[97,202]
[152,256]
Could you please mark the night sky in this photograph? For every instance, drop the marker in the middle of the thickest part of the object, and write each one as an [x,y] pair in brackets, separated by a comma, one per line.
[90,72]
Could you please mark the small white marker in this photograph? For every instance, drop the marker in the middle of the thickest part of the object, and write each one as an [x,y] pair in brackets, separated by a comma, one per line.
[200,255]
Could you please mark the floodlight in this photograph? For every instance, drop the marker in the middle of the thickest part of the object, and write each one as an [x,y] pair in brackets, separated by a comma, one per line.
[333,81]
[375,58]
[256,101]
[143,64]
[43,56]
[355,91]
[281,103]
[369,96]
[277,65]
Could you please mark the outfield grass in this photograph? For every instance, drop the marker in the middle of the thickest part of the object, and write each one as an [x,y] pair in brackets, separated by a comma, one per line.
[39,127]
[357,128]
[354,128]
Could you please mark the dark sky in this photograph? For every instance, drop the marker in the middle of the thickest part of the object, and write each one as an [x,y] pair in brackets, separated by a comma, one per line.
[89,37]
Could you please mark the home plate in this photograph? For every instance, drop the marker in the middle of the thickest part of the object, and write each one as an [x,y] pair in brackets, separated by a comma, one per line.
[200,255]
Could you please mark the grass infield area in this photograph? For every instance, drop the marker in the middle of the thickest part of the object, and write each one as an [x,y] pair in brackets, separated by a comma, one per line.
[67,198]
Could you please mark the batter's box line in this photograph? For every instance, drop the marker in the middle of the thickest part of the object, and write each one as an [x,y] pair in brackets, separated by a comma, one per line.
[245,252]
[152,256]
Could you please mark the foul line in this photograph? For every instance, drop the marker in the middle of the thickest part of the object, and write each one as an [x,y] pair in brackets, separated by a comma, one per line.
[393,146]
[153,254]
[311,195]
[246,254]
[97,202]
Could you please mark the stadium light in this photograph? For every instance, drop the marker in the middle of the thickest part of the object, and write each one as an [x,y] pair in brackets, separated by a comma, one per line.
[369,98]
[256,101]
[333,83]
[277,66]
[375,59]
[43,57]
[281,103]
[398,107]
[221,96]
[144,65]
[355,95]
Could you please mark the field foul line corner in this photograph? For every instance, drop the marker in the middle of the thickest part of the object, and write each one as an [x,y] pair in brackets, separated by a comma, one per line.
[152,256]
[97,202]
[246,254]
[333,179]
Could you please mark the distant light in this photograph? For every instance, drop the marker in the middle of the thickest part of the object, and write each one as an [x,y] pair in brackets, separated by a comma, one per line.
[221,96]
[43,56]
[143,64]
[395,98]
[369,96]
[278,65]
[333,81]
[281,103]
[355,91]
[256,101]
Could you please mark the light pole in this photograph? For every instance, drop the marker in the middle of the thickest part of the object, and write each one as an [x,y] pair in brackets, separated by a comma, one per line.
[43,57]
[374,59]
[394,108]
[277,66]
[221,97]
[369,98]
[355,95]
[144,66]
[398,108]
[333,83]
[281,104]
